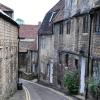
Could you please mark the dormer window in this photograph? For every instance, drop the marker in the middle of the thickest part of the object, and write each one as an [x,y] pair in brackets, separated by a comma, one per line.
[52,15]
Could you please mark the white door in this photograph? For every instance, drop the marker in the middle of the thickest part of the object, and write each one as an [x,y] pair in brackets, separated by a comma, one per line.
[82,77]
[33,68]
[51,72]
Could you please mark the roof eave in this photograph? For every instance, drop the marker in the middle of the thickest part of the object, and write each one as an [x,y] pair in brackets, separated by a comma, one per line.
[9,19]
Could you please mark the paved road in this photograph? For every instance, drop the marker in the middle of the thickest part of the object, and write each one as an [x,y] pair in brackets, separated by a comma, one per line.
[40,93]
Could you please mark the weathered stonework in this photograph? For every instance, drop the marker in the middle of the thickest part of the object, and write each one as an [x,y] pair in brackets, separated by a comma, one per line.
[46,55]
[72,39]
[28,49]
[8,58]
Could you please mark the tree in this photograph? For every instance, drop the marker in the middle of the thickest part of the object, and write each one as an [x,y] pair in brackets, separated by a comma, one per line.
[20,21]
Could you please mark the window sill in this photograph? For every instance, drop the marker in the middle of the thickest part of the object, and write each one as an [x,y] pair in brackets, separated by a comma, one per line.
[85,34]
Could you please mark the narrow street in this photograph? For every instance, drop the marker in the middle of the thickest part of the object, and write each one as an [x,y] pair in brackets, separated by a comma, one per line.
[37,92]
[54,41]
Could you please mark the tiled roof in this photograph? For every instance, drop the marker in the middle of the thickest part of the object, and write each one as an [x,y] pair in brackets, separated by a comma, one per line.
[5,8]
[58,6]
[60,14]
[28,31]
[46,26]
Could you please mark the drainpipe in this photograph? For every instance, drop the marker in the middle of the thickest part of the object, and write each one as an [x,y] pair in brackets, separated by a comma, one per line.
[18,54]
[88,62]
[19,85]
[38,60]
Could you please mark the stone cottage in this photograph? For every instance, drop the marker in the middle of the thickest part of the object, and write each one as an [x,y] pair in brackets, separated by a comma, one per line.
[28,48]
[8,53]
[46,44]
[79,41]
[75,44]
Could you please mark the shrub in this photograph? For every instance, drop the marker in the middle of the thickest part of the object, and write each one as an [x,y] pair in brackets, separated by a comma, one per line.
[71,81]
[94,87]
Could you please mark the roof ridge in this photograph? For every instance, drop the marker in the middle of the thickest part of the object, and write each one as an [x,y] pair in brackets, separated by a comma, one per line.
[2,5]
[58,3]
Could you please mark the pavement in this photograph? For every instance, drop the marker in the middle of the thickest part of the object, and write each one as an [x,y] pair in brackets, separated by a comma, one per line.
[80,97]
[19,95]
[34,91]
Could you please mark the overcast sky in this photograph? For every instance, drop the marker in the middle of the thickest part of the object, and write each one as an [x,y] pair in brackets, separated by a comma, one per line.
[31,11]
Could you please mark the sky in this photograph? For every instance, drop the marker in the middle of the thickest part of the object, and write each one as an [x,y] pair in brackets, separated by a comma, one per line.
[31,11]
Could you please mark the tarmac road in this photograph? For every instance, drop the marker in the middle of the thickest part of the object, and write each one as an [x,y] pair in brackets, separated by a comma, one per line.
[36,92]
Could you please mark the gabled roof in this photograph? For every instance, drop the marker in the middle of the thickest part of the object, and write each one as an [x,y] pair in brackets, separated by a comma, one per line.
[5,8]
[56,13]
[28,31]
[7,18]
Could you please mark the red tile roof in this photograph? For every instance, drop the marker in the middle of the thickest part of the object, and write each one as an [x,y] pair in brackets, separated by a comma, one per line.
[28,31]
[5,8]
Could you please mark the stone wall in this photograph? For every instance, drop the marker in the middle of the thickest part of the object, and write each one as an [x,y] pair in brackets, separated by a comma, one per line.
[8,58]
[73,7]
[74,43]
[46,52]
[28,61]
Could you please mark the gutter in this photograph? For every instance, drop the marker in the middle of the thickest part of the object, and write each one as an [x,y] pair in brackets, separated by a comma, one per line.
[18,54]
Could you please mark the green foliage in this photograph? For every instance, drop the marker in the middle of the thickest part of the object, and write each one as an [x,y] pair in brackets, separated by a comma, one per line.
[93,86]
[71,81]
[20,21]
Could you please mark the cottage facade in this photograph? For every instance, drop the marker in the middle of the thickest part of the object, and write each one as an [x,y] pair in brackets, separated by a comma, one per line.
[8,56]
[46,45]
[74,44]
[28,48]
